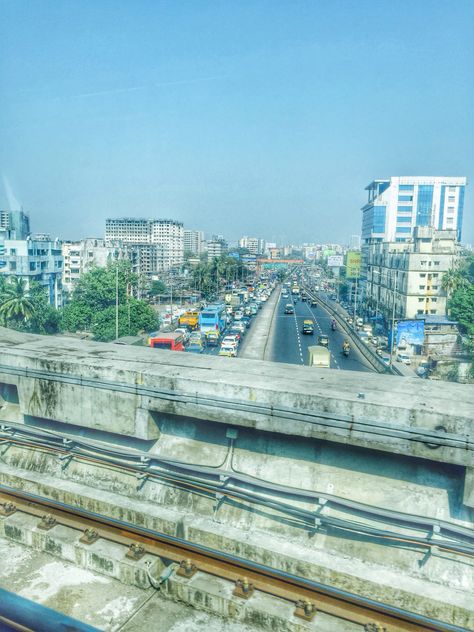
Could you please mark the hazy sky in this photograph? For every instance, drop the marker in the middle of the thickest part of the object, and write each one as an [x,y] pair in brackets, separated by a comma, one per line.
[236,117]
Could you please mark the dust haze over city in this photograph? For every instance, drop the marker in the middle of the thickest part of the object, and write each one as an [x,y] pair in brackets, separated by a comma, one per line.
[236,315]
[230,117]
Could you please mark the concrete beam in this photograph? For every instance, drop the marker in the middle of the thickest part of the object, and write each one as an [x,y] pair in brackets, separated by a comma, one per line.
[127,390]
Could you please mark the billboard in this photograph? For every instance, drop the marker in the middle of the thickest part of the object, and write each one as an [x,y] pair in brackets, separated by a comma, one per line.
[353,264]
[234,255]
[410,332]
[335,261]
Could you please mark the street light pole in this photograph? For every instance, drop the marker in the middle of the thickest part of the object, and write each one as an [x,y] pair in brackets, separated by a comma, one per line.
[393,319]
[116,302]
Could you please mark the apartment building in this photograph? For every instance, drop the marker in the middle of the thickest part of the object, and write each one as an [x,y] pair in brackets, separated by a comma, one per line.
[193,241]
[38,259]
[404,279]
[167,233]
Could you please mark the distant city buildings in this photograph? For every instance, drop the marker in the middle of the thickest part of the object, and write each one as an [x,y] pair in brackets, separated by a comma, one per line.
[193,241]
[397,205]
[254,245]
[167,233]
[404,279]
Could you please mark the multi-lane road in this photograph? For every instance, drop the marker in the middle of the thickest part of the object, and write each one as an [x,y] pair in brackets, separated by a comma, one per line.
[291,345]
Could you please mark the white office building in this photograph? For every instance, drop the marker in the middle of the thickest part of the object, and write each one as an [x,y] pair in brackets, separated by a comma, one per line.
[163,232]
[397,205]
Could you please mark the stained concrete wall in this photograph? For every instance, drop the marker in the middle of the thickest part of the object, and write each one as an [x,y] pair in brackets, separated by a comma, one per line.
[126,389]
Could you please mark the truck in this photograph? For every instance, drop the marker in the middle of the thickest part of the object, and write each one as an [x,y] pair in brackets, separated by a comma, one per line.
[189,319]
[319,357]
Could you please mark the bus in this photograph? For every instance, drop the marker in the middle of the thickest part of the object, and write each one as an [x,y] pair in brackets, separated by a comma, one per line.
[171,341]
[213,317]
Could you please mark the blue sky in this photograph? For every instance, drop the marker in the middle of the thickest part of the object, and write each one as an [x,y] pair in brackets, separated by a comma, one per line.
[260,118]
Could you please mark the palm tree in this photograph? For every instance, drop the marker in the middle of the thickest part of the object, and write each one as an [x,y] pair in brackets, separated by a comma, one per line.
[452,280]
[15,302]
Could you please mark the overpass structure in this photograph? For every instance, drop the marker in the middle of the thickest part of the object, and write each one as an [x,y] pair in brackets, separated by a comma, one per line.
[363,482]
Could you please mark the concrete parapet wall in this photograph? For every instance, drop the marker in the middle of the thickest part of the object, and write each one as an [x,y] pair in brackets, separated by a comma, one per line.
[127,390]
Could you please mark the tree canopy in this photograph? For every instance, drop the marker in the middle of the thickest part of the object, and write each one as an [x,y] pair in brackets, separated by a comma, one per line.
[92,307]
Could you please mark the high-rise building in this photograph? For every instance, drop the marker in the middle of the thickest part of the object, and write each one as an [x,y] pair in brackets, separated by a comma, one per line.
[193,241]
[405,279]
[14,224]
[254,245]
[397,205]
[163,232]
[35,259]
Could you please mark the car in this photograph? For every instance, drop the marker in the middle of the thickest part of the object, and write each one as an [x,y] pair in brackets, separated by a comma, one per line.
[195,347]
[289,309]
[386,359]
[308,327]
[314,302]
[247,321]
[323,340]
[375,340]
[240,326]
[404,358]
[228,350]
[184,332]
[231,339]
[238,315]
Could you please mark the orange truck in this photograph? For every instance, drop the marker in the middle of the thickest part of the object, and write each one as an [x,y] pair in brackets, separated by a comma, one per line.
[189,319]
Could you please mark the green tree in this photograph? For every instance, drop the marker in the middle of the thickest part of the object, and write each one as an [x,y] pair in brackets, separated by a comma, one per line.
[93,304]
[461,306]
[45,318]
[16,306]
[157,287]
[134,317]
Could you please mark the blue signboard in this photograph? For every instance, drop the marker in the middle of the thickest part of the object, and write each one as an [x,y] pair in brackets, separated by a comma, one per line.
[410,332]
[234,255]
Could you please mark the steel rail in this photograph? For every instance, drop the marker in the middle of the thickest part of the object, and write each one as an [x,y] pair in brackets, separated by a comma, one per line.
[317,418]
[333,601]
[227,483]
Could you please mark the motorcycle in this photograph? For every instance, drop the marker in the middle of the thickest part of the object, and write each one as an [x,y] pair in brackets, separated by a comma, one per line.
[333,325]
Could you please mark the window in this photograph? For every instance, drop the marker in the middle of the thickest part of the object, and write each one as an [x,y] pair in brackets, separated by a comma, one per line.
[434,300]
[404,208]
[435,275]
[423,274]
[423,263]
[13,251]
[404,219]
[424,205]
[422,287]
[420,311]
[451,189]
[406,187]
[403,229]
[12,265]
[32,266]
[405,198]
[420,300]
[432,311]
[436,263]
[451,198]
[435,287]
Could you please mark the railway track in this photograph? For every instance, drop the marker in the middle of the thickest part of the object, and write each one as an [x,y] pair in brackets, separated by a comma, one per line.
[307,595]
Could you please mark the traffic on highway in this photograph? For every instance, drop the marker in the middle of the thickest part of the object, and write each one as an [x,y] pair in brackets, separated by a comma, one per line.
[300,324]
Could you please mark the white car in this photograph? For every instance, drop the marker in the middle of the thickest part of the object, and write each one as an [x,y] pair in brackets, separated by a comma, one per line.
[184,332]
[228,350]
[403,357]
[230,340]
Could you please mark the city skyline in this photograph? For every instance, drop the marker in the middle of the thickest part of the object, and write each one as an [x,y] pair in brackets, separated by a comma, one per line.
[229,119]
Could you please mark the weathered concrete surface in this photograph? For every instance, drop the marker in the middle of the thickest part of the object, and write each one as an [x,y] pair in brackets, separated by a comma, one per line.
[439,585]
[127,390]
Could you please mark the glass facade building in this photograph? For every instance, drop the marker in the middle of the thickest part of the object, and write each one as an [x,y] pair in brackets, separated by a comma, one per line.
[397,205]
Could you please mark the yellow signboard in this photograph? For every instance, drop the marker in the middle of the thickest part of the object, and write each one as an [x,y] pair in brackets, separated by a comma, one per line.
[353,264]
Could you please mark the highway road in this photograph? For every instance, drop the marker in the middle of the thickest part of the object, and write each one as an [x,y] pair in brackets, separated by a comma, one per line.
[291,345]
